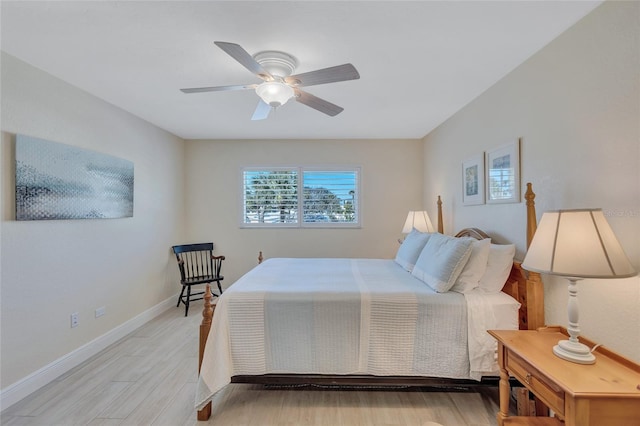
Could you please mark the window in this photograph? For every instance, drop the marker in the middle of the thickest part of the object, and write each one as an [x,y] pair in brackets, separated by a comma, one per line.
[300,197]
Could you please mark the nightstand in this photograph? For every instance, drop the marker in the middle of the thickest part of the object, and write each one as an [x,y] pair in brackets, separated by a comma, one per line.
[604,393]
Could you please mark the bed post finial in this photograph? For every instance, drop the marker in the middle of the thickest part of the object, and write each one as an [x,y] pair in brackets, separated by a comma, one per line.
[440,224]
[531,213]
[207,311]
[260,258]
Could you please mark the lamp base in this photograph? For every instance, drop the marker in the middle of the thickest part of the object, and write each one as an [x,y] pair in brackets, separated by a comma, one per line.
[574,352]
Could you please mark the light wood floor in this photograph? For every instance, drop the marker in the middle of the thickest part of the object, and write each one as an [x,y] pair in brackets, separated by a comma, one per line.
[149,378]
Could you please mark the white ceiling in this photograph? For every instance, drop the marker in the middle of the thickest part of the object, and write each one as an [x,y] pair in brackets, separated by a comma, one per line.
[419,61]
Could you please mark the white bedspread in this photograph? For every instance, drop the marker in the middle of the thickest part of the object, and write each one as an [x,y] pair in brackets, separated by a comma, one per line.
[348,316]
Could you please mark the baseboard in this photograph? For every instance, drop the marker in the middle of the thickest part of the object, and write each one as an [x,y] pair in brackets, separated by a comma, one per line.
[34,381]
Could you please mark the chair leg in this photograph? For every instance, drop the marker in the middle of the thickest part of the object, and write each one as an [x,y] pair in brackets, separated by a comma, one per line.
[220,287]
[186,304]
[180,297]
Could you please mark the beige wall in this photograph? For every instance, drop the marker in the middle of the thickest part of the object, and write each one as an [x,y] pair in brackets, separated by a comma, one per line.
[52,268]
[391,186]
[576,106]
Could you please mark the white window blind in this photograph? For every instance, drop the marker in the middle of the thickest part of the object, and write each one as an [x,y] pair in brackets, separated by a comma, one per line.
[300,197]
[270,196]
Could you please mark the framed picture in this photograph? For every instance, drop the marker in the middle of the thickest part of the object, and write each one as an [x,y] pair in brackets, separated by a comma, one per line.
[58,181]
[503,173]
[473,180]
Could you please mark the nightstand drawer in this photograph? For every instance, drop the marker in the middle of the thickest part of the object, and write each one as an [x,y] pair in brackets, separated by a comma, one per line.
[540,385]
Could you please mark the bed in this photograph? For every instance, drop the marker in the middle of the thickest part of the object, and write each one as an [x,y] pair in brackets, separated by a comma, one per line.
[358,321]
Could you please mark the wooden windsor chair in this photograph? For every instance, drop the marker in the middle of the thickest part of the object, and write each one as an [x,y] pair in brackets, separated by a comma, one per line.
[197,266]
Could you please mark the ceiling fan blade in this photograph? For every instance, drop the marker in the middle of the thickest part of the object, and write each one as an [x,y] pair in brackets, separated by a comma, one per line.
[219,88]
[323,76]
[318,104]
[262,111]
[242,56]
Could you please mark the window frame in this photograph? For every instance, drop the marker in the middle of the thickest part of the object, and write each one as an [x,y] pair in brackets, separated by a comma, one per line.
[300,170]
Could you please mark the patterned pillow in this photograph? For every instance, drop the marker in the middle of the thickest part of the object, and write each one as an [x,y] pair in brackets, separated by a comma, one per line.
[475,267]
[411,248]
[441,261]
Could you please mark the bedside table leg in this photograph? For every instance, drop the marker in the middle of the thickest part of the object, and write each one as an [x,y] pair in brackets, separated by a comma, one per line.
[505,389]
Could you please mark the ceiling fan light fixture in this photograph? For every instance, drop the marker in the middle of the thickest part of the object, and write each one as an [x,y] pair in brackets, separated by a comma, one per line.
[274,93]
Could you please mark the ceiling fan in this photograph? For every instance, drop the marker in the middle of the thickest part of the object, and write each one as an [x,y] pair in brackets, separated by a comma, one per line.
[279,85]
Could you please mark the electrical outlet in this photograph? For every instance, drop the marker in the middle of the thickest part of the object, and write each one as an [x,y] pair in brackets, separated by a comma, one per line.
[74,319]
[101,311]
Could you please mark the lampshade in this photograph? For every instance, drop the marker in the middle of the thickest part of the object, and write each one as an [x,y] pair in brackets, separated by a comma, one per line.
[419,220]
[577,243]
[274,93]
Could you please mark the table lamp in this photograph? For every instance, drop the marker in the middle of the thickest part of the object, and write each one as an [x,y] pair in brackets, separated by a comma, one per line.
[576,244]
[419,220]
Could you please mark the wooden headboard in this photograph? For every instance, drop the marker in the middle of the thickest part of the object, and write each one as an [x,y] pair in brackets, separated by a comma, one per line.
[524,286]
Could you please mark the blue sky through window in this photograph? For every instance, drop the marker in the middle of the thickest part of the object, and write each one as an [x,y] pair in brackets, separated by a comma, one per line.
[340,183]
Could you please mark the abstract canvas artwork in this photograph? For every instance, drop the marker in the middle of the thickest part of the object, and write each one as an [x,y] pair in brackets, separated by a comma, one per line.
[57,181]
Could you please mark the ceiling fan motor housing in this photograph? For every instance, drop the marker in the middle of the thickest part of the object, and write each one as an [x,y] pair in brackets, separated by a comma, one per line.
[278,63]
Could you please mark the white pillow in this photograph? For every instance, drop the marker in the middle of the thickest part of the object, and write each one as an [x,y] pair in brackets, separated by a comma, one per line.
[411,248]
[475,267]
[498,267]
[441,261]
